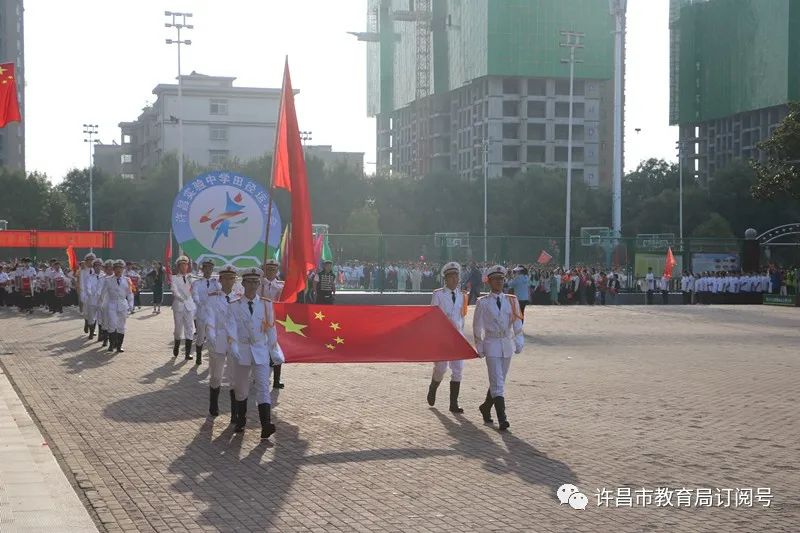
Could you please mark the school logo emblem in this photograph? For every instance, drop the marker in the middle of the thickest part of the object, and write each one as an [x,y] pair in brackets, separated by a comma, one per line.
[222,215]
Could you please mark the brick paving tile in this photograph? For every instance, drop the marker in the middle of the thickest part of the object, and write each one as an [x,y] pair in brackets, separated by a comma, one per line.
[602,397]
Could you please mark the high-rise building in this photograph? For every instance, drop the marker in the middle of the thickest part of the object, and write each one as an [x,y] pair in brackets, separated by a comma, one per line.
[447,79]
[12,48]
[734,68]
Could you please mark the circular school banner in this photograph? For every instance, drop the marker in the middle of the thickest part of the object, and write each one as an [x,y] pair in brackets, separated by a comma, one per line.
[222,215]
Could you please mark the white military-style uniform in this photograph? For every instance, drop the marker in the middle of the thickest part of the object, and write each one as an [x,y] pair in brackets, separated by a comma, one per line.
[453,304]
[201,292]
[183,307]
[271,289]
[497,329]
[117,301]
[220,334]
[257,340]
[92,285]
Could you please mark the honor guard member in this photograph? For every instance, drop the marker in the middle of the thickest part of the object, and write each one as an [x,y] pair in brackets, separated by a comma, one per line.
[497,329]
[257,346]
[220,334]
[201,290]
[271,288]
[118,302]
[92,282]
[183,307]
[453,303]
[102,314]
[325,284]
[86,268]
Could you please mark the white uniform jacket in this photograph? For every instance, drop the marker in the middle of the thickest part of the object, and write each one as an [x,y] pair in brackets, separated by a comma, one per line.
[182,293]
[201,292]
[256,334]
[454,311]
[221,325]
[497,332]
[117,294]
[92,286]
[271,289]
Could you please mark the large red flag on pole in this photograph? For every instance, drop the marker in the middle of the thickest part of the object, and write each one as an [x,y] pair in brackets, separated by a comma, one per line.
[669,264]
[289,173]
[9,106]
[72,259]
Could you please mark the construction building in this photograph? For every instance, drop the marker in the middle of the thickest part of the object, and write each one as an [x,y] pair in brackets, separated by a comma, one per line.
[733,69]
[474,86]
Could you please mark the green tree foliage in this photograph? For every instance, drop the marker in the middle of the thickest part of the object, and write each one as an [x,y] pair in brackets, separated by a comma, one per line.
[779,176]
[714,226]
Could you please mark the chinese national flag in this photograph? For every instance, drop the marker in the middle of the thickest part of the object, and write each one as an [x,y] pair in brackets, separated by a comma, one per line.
[289,172]
[669,264]
[9,107]
[72,259]
[368,334]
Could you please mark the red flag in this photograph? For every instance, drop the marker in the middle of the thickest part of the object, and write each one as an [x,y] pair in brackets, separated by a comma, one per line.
[669,264]
[71,259]
[544,258]
[318,241]
[168,258]
[289,172]
[9,107]
[368,334]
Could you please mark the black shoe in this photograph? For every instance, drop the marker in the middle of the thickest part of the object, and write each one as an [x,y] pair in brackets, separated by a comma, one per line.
[86,326]
[486,408]
[120,338]
[241,416]
[455,387]
[213,405]
[112,339]
[276,377]
[188,352]
[199,351]
[432,391]
[103,337]
[91,331]
[234,408]
[176,347]
[500,407]
[267,427]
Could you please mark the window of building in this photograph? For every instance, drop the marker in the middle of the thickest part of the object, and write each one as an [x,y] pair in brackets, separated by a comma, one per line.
[217,157]
[510,86]
[510,131]
[561,154]
[510,108]
[562,110]
[537,132]
[537,87]
[218,133]
[562,132]
[537,109]
[536,154]
[126,158]
[510,153]
[126,138]
[510,172]
[578,87]
[218,106]
[127,176]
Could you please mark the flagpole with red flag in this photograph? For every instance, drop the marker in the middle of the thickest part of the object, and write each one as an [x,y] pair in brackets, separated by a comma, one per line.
[289,173]
[9,106]
[669,264]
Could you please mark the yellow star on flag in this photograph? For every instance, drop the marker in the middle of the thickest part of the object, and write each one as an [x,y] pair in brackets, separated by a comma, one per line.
[2,71]
[319,315]
[330,346]
[291,327]
[335,326]
[339,340]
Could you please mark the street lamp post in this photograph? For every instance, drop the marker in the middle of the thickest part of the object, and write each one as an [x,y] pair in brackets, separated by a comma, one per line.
[89,130]
[680,145]
[179,25]
[618,9]
[573,41]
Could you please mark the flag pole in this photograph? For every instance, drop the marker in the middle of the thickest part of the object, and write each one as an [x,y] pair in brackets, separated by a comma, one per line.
[274,158]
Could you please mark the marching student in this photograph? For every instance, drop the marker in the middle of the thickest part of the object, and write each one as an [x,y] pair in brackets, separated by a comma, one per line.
[183,308]
[117,303]
[201,290]
[271,288]
[220,334]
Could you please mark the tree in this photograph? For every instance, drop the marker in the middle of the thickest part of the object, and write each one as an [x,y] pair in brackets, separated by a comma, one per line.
[715,226]
[780,174]
[24,202]
[75,188]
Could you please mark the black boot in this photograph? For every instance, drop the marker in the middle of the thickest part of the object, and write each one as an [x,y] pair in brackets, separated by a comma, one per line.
[500,407]
[86,326]
[91,331]
[455,387]
[103,337]
[276,377]
[234,408]
[176,348]
[188,352]
[112,339]
[267,427]
[241,416]
[213,406]
[486,408]
[120,338]
[432,391]
[199,350]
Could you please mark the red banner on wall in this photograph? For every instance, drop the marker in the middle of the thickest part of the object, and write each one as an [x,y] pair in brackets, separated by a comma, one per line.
[56,239]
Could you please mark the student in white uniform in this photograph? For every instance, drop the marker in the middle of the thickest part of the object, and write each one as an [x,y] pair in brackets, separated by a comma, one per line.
[183,308]
[220,335]
[201,291]
[271,289]
[118,302]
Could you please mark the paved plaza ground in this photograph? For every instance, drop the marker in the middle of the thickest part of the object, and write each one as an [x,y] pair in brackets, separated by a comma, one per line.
[602,397]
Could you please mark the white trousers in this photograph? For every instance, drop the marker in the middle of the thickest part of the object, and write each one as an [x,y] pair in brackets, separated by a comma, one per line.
[200,334]
[184,324]
[116,319]
[217,366]
[91,312]
[241,382]
[440,368]
[498,370]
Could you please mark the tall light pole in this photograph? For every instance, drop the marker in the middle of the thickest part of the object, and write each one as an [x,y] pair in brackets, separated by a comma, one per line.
[680,145]
[179,25]
[90,130]
[573,42]
[618,8]
[485,145]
